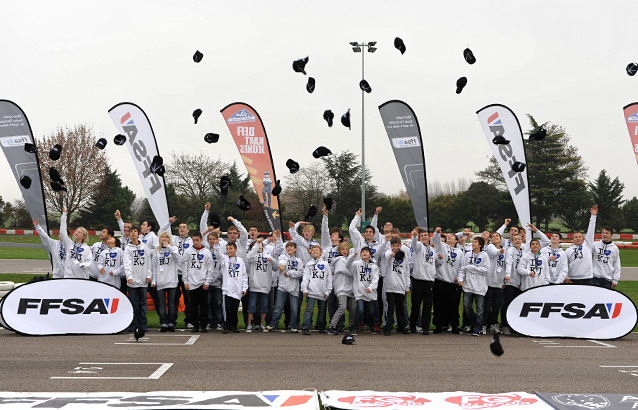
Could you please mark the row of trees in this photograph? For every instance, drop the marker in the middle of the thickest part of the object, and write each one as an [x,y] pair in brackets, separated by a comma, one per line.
[558,186]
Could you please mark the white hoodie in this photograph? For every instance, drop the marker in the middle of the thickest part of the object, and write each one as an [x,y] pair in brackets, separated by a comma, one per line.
[424,261]
[606,261]
[78,257]
[473,272]
[359,241]
[234,276]
[260,270]
[364,276]
[317,279]
[512,259]
[96,249]
[164,264]
[112,260]
[303,245]
[396,272]
[341,277]
[539,264]
[580,257]
[497,266]
[197,267]
[557,267]
[58,252]
[289,277]
[448,268]
[137,264]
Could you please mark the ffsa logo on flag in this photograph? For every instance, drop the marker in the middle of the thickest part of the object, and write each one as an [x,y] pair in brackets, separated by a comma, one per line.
[506,152]
[140,152]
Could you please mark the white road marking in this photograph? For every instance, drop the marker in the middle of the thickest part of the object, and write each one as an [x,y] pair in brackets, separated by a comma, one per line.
[154,376]
[600,345]
[633,372]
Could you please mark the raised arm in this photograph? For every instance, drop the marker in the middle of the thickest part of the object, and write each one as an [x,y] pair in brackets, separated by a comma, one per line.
[66,241]
[501,230]
[325,230]
[591,229]
[375,223]
[203,222]
[355,235]
[120,222]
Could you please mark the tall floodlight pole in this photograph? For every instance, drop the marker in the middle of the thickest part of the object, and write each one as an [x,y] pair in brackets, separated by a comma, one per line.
[359,48]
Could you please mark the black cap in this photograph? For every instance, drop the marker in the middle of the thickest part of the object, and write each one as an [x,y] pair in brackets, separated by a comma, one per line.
[460,83]
[101,143]
[345,119]
[328,116]
[495,346]
[398,255]
[25,181]
[500,140]
[138,333]
[518,166]
[157,165]
[57,187]
[215,221]
[363,84]
[197,57]
[469,56]
[196,114]
[276,190]
[243,204]
[119,139]
[312,212]
[632,69]
[539,135]
[292,165]
[55,175]
[224,184]
[399,45]
[211,137]
[310,86]
[54,154]
[30,148]
[347,340]
[321,152]
[328,203]
[300,65]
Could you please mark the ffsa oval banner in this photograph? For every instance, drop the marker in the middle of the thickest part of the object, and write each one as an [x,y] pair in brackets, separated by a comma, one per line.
[66,306]
[578,311]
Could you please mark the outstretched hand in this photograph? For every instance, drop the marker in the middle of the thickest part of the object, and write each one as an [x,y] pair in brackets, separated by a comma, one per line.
[594,210]
[207,206]
[358,213]
[35,222]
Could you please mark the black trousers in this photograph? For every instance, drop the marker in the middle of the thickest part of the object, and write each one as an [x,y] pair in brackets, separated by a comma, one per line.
[199,306]
[421,293]
[492,305]
[379,303]
[582,281]
[231,308]
[446,298]
[395,300]
[181,290]
[509,293]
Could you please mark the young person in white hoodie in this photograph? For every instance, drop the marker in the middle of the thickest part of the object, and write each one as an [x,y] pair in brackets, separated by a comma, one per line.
[97,248]
[58,251]
[394,264]
[342,288]
[234,284]
[580,255]
[533,267]
[197,273]
[316,287]
[512,287]
[475,267]
[165,260]
[445,292]
[365,277]
[606,261]
[110,263]
[423,274]
[260,266]
[557,260]
[137,267]
[495,282]
[78,257]
[290,271]
[215,294]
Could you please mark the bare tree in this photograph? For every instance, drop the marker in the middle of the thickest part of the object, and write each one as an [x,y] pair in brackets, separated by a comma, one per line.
[304,188]
[195,176]
[82,167]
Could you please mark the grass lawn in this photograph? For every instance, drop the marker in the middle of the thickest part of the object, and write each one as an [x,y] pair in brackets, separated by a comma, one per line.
[22,253]
[628,257]
[36,239]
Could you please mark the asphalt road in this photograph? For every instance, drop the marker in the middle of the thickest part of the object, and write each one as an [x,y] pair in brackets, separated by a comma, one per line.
[262,361]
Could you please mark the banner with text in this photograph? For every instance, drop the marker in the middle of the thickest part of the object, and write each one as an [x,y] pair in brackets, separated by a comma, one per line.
[132,122]
[569,401]
[631,117]
[15,131]
[498,120]
[249,134]
[404,133]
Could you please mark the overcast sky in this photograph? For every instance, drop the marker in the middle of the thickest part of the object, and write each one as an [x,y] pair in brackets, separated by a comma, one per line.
[68,62]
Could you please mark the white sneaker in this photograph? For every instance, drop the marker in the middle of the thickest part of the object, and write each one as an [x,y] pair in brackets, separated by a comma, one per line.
[467,329]
[419,329]
[270,328]
[483,330]
[189,325]
[257,328]
[219,327]
[293,330]
[264,330]
[208,326]
[495,329]
[249,329]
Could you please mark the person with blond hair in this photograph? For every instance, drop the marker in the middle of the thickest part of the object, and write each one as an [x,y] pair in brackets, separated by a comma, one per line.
[78,257]
[165,260]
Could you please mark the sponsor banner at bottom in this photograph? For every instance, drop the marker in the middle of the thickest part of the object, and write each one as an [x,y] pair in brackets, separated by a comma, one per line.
[348,400]
[573,401]
[223,400]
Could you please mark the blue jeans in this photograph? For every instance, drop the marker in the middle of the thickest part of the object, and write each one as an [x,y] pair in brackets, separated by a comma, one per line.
[137,296]
[368,308]
[602,282]
[475,319]
[280,301]
[310,307]
[215,302]
[167,318]
[253,298]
